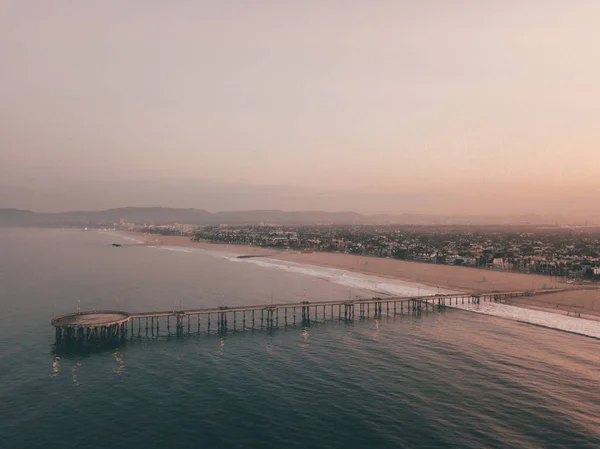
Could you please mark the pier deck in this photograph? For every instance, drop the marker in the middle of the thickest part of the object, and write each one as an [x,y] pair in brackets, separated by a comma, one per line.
[94,325]
[91,319]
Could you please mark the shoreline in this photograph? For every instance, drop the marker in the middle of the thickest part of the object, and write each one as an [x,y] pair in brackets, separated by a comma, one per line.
[575,303]
[585,301]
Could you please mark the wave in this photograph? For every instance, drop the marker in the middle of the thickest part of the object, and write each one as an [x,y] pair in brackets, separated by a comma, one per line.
[173,248]
[349,279]
[345,278]
[551,320]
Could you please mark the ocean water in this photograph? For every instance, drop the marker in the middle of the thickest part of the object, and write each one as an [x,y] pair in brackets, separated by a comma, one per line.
[446,379]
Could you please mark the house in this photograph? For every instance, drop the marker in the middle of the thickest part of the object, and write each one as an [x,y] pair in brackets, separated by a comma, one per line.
[498,263]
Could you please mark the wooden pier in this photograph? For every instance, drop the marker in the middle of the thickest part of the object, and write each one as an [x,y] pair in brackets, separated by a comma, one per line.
[113,325]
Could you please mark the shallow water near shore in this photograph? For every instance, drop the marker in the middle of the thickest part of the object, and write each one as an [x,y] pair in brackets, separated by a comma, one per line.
[443,379]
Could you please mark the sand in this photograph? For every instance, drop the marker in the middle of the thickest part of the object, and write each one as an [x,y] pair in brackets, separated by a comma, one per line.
[579,303]
[464,279]
[154,239]
[445,276]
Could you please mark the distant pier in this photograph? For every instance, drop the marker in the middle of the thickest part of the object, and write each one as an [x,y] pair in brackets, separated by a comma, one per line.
[115,325]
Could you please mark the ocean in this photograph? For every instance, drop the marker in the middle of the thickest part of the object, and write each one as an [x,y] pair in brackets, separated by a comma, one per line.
[450,378]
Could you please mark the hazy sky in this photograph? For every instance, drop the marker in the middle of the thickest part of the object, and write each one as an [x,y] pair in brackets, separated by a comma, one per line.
[462,106]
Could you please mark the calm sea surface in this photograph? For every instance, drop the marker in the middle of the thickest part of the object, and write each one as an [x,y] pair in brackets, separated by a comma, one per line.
[449,379]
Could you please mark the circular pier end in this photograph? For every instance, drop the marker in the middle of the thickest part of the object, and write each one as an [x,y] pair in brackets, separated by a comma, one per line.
[91,319]
[96,325]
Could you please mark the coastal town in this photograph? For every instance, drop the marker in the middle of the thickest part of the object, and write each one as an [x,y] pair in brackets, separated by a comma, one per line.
[572,253]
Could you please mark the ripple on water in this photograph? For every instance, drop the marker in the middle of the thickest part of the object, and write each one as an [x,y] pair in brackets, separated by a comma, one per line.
[449,379]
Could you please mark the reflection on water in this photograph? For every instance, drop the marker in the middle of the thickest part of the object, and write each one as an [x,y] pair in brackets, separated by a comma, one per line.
[55,367]
[74,371]
[120,362]
[376,330]
[305,335]
[77,350]
[221,349]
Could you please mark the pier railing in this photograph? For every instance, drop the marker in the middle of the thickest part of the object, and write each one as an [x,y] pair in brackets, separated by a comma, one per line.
[107,325]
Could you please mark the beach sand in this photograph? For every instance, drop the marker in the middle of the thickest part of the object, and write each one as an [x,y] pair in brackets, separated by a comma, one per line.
[580,303]
[464,279]
[154,239]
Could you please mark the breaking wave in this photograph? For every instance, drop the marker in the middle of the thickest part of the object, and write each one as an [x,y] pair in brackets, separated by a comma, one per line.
[551,320]
[346,278]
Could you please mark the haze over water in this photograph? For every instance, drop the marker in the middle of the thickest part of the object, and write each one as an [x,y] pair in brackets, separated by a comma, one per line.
[449,379]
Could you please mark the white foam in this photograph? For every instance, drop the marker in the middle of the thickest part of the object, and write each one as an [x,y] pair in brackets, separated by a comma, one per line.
[565,323]
[173,248]
[346,278]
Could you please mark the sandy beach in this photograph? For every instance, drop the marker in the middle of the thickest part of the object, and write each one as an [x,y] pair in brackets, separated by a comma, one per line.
[155,239]
[444,276]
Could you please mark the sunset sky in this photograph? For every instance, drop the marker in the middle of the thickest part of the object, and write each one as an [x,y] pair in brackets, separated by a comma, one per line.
[461,106]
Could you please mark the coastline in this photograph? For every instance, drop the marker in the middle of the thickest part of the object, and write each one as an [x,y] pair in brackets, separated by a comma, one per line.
[455,278]
[578,303]
[172,240]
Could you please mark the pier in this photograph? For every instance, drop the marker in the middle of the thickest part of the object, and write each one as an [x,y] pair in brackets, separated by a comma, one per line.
[114,325]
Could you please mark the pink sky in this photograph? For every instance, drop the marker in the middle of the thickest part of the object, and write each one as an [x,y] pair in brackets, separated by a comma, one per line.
[376,106]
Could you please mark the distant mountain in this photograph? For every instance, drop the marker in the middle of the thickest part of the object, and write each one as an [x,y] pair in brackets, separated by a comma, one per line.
[163,215]
[16,217]
[158,215]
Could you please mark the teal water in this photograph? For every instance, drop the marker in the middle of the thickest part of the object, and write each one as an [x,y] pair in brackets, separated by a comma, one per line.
[449,379]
